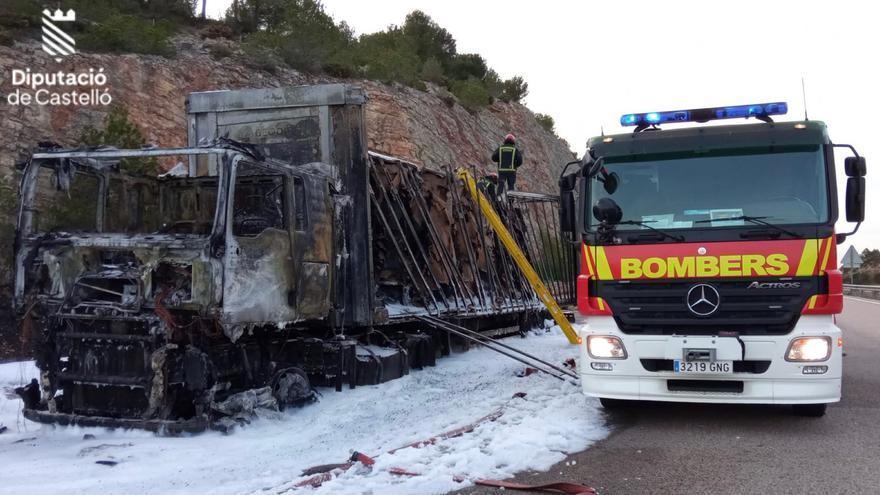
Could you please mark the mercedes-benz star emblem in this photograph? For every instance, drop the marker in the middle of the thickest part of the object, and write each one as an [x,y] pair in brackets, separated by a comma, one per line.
[703,300]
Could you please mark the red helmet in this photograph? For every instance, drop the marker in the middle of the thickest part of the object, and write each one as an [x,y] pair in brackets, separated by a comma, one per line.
[510,137]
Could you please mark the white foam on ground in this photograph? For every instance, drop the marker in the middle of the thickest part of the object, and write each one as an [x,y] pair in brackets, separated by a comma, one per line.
[267,456]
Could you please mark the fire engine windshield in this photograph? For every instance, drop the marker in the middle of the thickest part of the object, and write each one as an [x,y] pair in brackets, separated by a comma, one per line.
[680,191]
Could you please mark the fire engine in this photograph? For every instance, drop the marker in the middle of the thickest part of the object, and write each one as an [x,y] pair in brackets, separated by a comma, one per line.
[708,259]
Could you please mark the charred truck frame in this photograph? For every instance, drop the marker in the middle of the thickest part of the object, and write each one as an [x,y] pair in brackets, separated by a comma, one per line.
[277,255]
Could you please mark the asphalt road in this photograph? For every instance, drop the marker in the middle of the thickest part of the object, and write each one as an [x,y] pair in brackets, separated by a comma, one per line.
[717,449]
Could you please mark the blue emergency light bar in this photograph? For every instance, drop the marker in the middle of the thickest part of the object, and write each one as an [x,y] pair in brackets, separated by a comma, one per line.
[759,110]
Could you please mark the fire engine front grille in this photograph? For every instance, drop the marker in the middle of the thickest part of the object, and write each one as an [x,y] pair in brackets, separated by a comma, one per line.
[660,307]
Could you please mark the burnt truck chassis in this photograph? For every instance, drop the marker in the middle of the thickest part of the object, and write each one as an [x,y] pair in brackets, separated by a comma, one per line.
[186,329]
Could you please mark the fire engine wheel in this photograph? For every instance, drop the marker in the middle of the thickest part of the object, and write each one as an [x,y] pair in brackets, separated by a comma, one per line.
[291,387]
[810,410]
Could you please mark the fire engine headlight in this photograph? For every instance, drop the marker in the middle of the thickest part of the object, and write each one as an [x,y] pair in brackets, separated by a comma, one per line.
[605,347]
[809,349]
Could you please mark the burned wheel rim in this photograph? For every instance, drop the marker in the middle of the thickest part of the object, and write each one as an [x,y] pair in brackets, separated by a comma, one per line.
[291,387]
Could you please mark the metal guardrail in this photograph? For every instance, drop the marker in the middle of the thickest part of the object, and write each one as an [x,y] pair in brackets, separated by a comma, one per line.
[866,291]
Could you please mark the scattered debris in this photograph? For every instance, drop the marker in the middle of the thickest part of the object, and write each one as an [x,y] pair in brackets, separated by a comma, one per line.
[321,474]
[559,487]
[102,447]
[526,372]
[241,408]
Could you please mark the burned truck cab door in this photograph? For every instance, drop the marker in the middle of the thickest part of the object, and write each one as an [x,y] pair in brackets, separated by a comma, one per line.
[278,246]
[259,269]
[311,234]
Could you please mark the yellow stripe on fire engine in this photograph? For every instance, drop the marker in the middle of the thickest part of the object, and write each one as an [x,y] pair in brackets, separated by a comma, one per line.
[825,257]
[603,269]
[587,250]
[808,258]
[812,302]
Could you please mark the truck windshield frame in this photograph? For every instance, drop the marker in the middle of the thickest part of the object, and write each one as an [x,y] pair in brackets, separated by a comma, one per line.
[694,191]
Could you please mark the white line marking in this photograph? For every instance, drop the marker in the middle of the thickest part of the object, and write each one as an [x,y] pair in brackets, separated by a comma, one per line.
[869,301]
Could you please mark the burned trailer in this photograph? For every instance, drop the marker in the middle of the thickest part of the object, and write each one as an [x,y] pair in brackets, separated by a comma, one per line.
[278,255]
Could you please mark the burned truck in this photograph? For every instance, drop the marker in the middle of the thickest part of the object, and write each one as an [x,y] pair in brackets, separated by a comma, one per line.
[277,255]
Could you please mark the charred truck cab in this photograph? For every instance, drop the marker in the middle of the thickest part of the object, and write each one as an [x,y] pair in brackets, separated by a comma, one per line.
[275,256]
[708,269]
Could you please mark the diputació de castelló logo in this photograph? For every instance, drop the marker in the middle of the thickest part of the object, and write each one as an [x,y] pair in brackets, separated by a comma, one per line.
[59,88]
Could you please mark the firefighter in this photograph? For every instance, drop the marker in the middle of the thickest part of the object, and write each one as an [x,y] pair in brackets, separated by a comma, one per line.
[509,158]
[489,185]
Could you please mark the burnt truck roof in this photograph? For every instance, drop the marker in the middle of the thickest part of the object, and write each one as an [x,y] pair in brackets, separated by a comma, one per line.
[709,138]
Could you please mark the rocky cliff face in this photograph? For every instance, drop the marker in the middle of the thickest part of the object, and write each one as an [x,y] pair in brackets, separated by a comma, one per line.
[427,128]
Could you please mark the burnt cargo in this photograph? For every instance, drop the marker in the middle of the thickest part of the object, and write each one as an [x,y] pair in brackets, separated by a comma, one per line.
[277,255]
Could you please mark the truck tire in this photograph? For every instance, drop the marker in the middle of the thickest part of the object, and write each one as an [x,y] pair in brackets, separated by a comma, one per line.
[810,410]
[291,387]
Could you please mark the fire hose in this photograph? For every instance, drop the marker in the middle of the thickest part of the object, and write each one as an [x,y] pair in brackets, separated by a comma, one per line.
[326,472]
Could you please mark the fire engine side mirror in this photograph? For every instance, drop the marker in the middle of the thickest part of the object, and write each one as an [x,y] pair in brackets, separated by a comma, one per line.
[855,198]
[567,214]
[856,169]
[855,166]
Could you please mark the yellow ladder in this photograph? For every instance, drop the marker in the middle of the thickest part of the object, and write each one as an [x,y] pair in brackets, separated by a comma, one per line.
[518,257]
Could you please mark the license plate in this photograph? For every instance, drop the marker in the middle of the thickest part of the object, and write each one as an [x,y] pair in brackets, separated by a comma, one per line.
[703,367]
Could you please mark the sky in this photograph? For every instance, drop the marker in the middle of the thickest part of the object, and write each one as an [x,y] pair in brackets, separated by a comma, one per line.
[587,63]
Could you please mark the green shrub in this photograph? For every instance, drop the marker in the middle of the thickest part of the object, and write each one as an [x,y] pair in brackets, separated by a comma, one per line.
[217,30]
[546,122]
[18,14]
[259,57]
[466,65]
[220,50]
[432,71]
[174,12]
[6,38]
[428,38]
[299,31]
[120,132]
[447,97]
[514,89]
[494,84]
[128,34]
[471,94]
[388,56]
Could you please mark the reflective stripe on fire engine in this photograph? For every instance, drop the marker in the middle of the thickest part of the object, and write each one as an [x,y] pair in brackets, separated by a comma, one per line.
[602,267]
[589,262]
[809,257]
[825,257]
